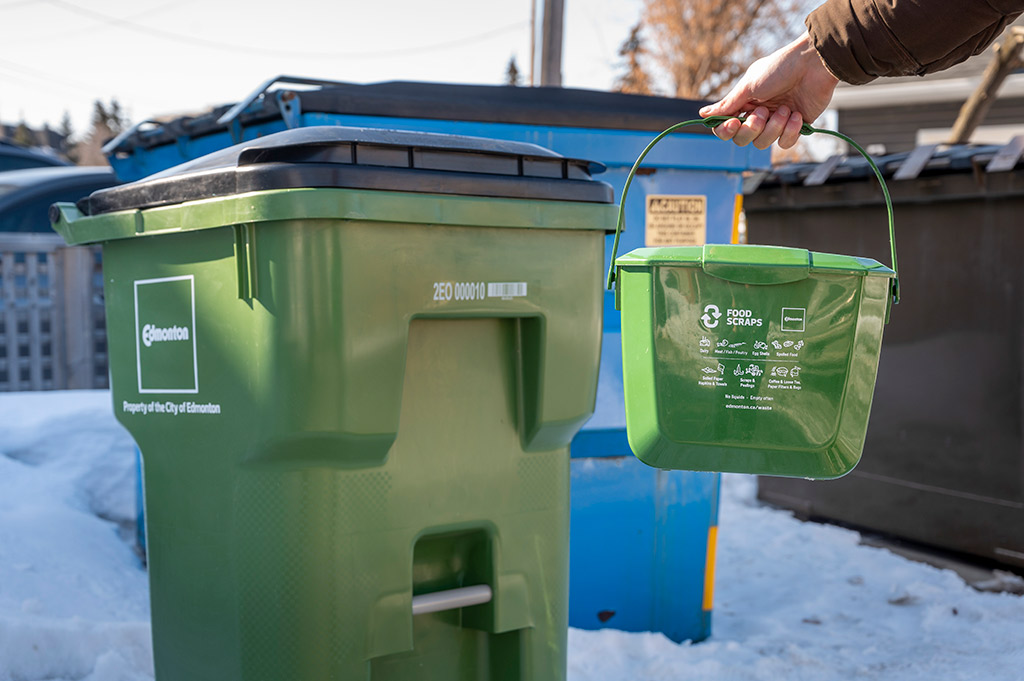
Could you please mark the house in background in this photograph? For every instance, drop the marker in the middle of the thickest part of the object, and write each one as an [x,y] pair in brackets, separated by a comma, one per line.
[891,115]
[14,157]
[44,151]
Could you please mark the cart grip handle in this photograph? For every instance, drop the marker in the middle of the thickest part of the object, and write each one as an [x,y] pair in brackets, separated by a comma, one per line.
[451,599]
[714,122]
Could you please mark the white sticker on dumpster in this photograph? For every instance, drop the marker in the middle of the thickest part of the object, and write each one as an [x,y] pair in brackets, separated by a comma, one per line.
[676,220]
[165,335]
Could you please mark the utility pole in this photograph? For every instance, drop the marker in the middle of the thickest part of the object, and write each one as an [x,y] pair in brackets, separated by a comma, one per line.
[1005,61]
[546,43]
[533,40]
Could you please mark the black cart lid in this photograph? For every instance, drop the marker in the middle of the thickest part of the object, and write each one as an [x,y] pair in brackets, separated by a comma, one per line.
[365,158]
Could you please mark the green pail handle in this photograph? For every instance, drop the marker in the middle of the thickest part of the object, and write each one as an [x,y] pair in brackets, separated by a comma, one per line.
[715,121]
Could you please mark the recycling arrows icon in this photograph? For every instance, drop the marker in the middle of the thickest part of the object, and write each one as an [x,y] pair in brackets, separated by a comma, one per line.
[711,316]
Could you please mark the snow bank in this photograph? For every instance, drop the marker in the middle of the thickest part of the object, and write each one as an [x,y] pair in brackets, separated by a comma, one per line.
[74,598]
[802,601]
[794,600]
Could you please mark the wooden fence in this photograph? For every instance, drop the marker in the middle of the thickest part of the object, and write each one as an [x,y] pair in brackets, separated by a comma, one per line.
[52,325]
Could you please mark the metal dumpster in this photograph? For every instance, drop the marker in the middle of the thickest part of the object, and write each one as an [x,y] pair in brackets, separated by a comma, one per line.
[943,456]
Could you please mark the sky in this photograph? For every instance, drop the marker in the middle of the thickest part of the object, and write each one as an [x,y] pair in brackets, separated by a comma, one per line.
[159,57]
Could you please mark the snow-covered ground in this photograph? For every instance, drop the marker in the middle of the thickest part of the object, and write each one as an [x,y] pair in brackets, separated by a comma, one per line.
[793,600]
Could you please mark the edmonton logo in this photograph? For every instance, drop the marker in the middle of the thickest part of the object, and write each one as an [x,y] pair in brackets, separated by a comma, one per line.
[165,335]
[155,334]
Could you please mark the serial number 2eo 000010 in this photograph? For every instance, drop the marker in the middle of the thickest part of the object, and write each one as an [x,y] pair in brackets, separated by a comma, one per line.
[445,291]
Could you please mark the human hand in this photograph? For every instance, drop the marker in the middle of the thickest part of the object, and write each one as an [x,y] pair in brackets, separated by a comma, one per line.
[778,92]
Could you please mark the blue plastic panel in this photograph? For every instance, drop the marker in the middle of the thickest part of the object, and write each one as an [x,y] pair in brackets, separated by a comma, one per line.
[144,162]
[638,543]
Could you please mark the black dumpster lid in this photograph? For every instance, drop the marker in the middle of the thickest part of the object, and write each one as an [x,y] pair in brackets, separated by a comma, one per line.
[534,106]
[960,158]
[364,158]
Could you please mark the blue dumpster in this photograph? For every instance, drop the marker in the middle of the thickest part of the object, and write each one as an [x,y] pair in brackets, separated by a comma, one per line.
[642,547]
[661,524]
[642,540]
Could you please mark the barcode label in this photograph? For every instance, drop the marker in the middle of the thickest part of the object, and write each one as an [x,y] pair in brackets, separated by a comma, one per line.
[508,289]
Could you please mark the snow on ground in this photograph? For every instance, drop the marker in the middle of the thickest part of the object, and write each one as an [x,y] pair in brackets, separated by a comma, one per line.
[799,601]
[794,600]
[74,599]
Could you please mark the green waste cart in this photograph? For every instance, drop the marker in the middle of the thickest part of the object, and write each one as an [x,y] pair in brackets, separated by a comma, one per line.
[353,361]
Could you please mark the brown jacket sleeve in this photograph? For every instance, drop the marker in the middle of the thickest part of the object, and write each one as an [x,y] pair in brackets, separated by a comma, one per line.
[860,40]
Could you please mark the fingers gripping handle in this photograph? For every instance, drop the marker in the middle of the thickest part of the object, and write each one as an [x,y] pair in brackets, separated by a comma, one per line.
[714,122]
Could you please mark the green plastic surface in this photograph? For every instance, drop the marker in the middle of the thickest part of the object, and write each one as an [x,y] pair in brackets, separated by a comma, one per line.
[344,399]
[750,359]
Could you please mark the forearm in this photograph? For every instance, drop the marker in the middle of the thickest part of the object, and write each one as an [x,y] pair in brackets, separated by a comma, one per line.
[812,65]
[860,40]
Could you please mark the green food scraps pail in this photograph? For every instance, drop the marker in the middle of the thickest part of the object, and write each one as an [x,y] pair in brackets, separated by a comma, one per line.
[750,359]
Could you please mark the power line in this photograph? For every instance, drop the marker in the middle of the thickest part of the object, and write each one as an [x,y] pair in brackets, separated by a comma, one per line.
[462,42]
[266,51]
[16,3]
[79,30]
[45,82]
[49,81]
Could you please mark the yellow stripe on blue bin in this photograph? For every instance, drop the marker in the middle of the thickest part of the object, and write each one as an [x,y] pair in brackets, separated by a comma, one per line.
[709,569]
[737,215]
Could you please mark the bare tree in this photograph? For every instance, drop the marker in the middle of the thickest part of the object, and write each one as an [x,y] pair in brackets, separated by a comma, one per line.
[24,136]
[512,72]
[636,80]
[107,121]
[705,45]
[67,135]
